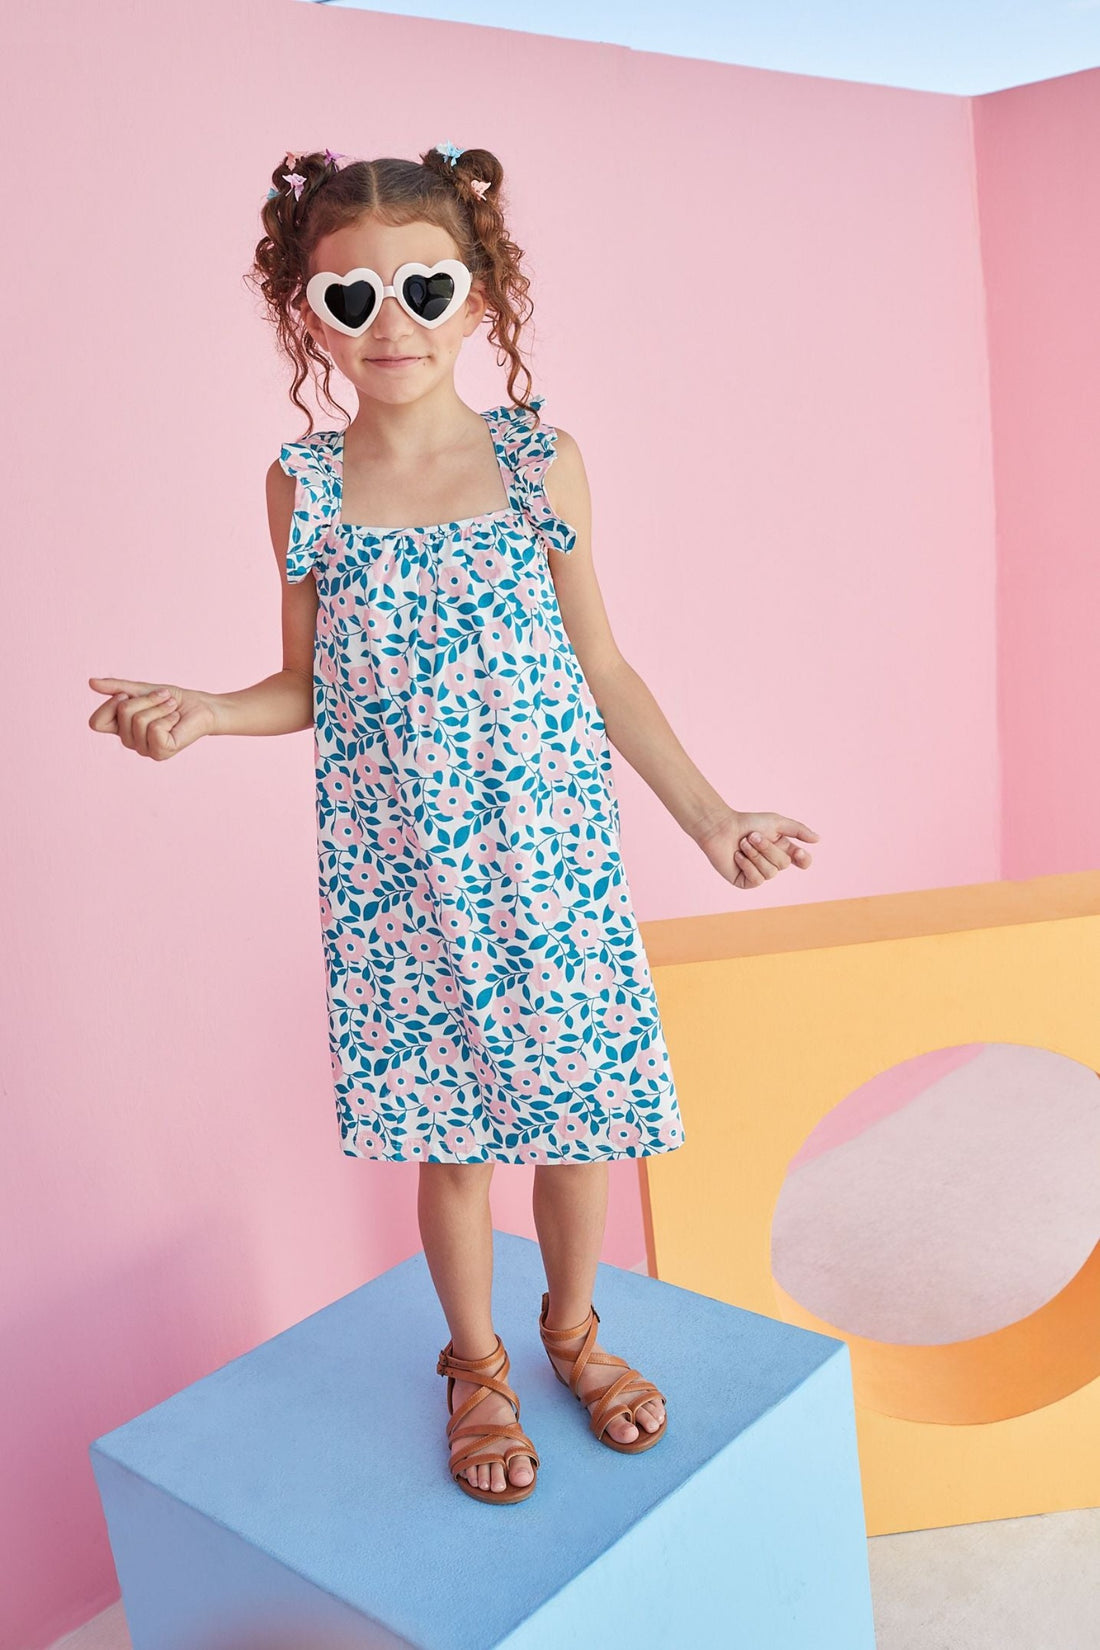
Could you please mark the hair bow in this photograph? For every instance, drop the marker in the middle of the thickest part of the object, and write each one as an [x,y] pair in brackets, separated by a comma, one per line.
[479,186]
[450,150]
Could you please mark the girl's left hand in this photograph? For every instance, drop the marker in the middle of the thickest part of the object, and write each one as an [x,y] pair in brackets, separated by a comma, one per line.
[748,849]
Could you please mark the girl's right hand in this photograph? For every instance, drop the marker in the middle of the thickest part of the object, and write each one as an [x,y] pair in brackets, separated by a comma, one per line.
[154,721]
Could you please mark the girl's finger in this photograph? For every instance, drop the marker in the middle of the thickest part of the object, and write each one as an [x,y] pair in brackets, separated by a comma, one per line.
[133,718]
[752,875]
[765,853]
[795,827]
[117,684]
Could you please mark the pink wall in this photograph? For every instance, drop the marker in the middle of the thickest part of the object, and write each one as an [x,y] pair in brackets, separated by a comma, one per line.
[793,510]
[1038,167]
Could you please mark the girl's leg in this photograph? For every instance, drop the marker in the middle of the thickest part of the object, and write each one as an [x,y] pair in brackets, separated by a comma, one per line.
[570,1209]
[456,1229]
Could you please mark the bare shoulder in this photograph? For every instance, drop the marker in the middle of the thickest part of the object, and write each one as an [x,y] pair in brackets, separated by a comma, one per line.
[566,484]
[280,489]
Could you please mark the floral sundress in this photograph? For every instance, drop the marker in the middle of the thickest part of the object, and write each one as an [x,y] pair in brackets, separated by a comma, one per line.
[488,993]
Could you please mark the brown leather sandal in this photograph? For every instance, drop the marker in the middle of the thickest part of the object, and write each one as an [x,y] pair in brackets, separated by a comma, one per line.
[480,1453]
[611,1401]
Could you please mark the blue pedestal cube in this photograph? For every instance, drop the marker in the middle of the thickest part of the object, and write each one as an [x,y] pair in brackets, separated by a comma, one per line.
[299,1498]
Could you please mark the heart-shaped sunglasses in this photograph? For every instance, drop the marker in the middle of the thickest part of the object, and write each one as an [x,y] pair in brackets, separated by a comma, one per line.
[429,293]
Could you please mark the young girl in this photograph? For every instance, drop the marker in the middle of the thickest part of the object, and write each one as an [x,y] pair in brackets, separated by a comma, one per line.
[489,998]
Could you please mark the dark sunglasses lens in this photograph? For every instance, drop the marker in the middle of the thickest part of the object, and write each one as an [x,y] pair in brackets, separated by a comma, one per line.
[352,304]
[428,295]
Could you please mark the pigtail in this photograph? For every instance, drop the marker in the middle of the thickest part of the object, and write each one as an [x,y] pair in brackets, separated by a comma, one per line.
[499,269]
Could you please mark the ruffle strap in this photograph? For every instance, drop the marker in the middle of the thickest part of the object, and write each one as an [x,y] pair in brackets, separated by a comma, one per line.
[315,503]
[533,459]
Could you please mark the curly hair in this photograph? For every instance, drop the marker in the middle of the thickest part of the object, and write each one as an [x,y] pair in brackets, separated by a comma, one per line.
[431,190]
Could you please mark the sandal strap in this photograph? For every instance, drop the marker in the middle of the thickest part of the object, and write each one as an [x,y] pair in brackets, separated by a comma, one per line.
[611,1401]
[480,1451]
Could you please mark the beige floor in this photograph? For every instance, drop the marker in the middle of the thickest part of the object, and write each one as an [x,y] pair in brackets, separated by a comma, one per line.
[1017,1584]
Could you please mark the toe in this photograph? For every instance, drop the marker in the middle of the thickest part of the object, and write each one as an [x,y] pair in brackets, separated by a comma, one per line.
[520,1470]
[622,1430]
[496,1481]
[650,1415]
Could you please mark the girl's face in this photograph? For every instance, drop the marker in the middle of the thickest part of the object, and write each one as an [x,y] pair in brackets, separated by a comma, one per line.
[421,356]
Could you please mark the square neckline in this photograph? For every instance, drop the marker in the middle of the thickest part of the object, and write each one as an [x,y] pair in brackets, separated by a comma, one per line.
[339,523]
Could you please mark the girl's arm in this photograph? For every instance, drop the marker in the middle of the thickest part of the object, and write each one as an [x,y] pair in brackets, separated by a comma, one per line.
[282,703]
[159,721]
[747,848]
[635,722]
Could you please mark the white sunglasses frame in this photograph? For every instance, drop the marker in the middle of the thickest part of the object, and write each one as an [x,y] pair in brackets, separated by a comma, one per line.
[318,284]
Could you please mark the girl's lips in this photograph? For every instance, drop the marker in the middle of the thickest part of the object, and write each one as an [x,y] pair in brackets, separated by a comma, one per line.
[393,360]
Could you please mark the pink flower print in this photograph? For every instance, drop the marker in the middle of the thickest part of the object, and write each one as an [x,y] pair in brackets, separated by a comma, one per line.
[611,1092]
[570,1069]
[624,1135]
[585,933]
[619,1018]
[599,976]
[566,810]
[421,710]
[443,878]
[326,668]
[415,1149]
[569,1128]
[519,813]
[401,1001]
[335,788]
[454,799]
[591,855]
[489,562]
[619,897]
[362,680]
[502,1111]
[427,626]
[650,1064]
[508,1012]
[391,840]
[444,1051]
[671,1133]
[388,927]
[497,638]
[545,908]
[363,877]
[459,1141]
[547,976]
[498,693]
[435,1099]
[525,1082]
[543,1028]
[534,1154]
[325,905]
[454,922]
[428,757]
[350,948]
[555,683]
[393,673]
[454,583]
[345,831]
[481,755]
[358,992]
[421,945]
[525,738]
[517,866]
[503,923]
[552,764]
[362,1100]
[399,1084]
[345,717]
[373,1034]
[459,677]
